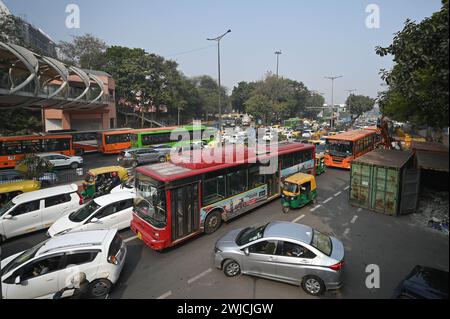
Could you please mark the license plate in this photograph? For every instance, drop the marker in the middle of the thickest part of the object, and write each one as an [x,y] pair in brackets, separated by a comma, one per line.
[139,235]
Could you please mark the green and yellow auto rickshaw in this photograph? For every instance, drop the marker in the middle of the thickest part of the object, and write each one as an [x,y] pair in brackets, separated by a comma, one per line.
[298,190]
[100,181]
[320,164]
[9,190]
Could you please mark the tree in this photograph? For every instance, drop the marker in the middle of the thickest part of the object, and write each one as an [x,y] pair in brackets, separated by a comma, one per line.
[241,93]
[418,82]
[208,91]
[84,51]
[314,104]
[20,122]
[260,107]
[10,29]
[34,166]
[359,104]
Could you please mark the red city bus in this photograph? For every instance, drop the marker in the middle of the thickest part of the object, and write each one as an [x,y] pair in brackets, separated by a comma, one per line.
[342,149]
[14,148]
[178,201]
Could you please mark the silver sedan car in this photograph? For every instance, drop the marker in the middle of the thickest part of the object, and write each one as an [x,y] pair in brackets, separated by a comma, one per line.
[283,251]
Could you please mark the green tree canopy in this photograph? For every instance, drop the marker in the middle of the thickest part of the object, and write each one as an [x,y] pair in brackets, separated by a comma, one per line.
[418,83]
[359,104]
[86,51]
[241,93]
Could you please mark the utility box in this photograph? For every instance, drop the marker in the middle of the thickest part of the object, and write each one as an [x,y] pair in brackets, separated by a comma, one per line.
[385,181]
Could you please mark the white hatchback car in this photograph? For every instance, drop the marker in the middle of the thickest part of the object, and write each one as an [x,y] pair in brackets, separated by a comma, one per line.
[37,210]
[104,212]
[61,161]
[51,266]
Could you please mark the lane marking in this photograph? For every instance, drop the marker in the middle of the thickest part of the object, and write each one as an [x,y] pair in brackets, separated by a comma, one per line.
[164,296]
[298,218]
[129,239]
[327,200]
[346,188]
[360,209]
[354,219]
[337,194]
[346,231]
[190,281]
[313,209]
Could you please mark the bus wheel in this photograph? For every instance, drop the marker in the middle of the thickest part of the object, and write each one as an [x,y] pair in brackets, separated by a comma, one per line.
[213,222]
[286,209]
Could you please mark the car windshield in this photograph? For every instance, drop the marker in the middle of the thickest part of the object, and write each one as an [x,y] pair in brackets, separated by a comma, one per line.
[322,242]
[22,258]
[150,202]
[249,234]
[6,207]
[84,212]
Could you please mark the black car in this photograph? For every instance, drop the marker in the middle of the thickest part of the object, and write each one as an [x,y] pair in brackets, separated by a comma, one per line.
[423,283]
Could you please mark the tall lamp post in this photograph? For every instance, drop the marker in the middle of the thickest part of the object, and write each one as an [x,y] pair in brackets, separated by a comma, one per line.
[218,63]
[332,78]
[277,53]
[350,92]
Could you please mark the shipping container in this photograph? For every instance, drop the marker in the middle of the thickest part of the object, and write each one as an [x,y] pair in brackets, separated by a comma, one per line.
[384,181]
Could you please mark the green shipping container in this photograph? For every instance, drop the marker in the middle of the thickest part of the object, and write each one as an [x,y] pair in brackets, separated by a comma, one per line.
[376,180]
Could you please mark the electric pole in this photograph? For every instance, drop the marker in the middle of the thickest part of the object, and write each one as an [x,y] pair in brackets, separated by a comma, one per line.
[277,53]
[332,78]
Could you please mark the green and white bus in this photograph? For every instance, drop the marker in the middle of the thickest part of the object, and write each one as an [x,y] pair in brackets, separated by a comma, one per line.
[156,136]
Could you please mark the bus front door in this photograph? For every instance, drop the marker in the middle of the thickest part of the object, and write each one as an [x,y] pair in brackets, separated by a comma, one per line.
[185,211]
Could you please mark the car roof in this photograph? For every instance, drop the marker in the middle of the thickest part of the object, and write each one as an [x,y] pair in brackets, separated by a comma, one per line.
[115,197]
[45,193]
[289,230]
[48,154]
[90,238]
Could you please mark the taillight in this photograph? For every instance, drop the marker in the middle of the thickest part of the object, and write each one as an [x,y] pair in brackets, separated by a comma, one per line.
[337,266]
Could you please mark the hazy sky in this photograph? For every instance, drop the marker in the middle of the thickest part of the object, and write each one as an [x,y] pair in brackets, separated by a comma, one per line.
[317,38]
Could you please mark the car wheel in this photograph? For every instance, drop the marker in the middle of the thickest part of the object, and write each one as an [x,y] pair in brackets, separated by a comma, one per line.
[74,165]
[313,285]
[213,222]
[99,288]
[162,159]
[231,268]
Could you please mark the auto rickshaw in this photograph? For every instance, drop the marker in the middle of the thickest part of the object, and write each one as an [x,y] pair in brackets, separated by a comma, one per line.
[9,190]
[320,163]
[298,190]
[100,181]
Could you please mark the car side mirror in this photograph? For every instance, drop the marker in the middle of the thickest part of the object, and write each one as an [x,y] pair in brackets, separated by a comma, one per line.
[18,280]
[246,251]
[95,220]
[7,216]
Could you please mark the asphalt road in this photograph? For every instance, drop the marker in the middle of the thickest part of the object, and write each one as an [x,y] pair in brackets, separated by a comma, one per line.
[395,245]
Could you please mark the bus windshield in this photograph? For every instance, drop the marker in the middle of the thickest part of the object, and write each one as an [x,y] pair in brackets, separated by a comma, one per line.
[150,202]
[340,148]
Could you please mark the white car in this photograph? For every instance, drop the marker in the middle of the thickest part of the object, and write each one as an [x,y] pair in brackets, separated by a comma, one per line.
[60,160]
[307,133]
[104,212]
[51,266]
[37,210]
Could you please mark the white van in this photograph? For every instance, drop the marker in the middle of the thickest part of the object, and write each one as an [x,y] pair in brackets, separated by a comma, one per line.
[37,210]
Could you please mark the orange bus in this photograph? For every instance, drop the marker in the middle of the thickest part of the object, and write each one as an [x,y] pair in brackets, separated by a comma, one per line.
[14,148]
[114,142]
[343,148]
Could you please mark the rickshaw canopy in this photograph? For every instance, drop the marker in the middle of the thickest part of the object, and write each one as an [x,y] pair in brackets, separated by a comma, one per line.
[122,172]
[20,186]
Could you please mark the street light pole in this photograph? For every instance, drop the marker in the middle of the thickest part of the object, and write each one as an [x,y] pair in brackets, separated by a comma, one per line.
[349,101]
[332,78]
[218,63]
[277,53]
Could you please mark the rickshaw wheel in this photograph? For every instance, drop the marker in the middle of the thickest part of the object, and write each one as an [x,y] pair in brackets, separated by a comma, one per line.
[286,209]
